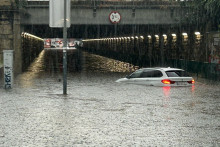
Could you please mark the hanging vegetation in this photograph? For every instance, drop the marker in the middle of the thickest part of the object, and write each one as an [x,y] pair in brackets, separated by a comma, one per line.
[203,13]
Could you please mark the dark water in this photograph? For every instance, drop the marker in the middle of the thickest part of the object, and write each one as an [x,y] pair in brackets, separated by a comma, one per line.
[79,61]
[97,111]
[50,64]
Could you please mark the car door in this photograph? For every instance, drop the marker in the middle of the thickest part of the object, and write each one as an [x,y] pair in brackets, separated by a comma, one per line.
[145,77]
[150,77]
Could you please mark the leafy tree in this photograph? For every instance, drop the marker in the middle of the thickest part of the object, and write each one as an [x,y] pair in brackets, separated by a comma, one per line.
[20,3]
[205,13]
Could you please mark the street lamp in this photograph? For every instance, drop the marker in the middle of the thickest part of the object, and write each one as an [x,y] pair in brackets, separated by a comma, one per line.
[174,35]
[197,33]
[184,34]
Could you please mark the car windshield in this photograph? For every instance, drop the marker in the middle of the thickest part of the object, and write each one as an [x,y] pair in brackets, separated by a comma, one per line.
[177,73]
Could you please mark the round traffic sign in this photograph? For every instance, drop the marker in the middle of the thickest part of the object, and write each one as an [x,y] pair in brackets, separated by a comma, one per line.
[114,17]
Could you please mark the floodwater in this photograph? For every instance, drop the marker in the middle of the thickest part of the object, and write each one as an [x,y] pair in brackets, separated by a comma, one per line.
[97,111]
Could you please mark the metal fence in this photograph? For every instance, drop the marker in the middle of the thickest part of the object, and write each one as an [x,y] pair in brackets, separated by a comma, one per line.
[201,69]
[109,3]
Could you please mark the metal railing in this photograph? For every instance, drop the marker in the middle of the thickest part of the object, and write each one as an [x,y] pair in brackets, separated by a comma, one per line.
[110,3]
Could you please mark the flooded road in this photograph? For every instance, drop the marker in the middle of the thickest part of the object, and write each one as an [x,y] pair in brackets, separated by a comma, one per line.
[100,112]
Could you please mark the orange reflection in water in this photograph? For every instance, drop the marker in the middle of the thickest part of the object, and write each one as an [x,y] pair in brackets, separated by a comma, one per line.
[193,88]
[166,102]
[166,92]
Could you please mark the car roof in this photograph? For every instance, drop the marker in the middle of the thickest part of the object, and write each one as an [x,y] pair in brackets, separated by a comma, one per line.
[162,68]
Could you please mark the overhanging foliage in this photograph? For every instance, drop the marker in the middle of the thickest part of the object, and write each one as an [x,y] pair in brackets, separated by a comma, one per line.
[203,13]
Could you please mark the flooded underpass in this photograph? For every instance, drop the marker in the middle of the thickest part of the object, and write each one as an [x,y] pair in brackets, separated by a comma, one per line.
[97,111]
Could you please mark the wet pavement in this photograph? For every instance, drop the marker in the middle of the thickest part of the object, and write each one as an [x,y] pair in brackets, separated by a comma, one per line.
[100,112]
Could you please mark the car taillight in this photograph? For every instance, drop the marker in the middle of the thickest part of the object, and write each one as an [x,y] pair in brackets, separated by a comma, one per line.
[166,81]
[191,82]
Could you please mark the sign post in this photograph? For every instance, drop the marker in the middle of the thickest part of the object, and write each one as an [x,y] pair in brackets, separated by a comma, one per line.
[60,19]
[8,68]
[64,52]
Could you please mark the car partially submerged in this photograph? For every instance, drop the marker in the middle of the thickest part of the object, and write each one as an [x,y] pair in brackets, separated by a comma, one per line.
[159,77]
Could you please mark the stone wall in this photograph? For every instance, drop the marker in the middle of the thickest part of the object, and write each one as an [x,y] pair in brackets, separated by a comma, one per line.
[10,32]
[5,2]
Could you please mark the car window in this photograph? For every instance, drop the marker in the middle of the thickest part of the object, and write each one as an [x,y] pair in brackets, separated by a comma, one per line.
[151,74]
[136,74]
[177,73]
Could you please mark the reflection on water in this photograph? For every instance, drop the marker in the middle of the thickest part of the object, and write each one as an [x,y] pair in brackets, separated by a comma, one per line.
[101,108]
[50,63]
[79,61]
[98,63]
[33,71]
[193,88]
[166,92]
